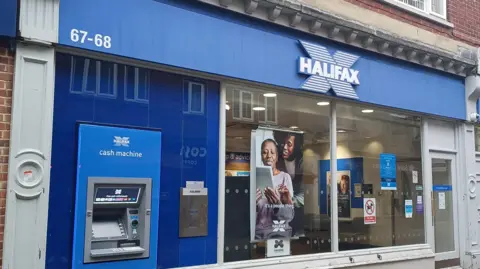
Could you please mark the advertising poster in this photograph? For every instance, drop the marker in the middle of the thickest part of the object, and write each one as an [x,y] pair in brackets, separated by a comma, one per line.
[237,164]
[344,193]
[277,184]
[388,171]
[369,211]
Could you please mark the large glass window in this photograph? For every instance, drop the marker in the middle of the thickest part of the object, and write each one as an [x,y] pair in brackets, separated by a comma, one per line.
[276,141]
[380,194]
[279,179]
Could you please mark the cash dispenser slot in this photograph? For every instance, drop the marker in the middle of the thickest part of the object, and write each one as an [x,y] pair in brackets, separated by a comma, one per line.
[117,226]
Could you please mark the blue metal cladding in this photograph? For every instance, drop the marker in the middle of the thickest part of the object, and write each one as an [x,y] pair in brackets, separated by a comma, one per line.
[195,36]
[142,98]
[8,18]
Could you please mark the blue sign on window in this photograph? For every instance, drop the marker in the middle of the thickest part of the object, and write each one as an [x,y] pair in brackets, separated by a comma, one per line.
[442,187]
[388,171]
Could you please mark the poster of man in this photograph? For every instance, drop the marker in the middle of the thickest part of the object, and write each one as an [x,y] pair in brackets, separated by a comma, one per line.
[276,169]
[344,193]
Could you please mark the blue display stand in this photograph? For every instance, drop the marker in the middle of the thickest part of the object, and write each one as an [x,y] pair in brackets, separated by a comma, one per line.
[138,155]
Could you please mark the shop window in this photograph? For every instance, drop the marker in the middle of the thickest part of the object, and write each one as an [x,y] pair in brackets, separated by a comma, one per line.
[136,84]
[290,134]
[380,186]
[107,79]
[193,97]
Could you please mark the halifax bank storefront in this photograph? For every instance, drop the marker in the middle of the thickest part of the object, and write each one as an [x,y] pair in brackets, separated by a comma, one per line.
[185,135]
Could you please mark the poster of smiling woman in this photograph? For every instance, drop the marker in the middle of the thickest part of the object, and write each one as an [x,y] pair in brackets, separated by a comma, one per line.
[277,191]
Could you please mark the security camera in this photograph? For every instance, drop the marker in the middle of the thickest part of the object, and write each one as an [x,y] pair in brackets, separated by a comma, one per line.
[474,117]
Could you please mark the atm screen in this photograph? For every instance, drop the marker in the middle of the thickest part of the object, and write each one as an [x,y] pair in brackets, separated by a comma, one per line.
[108,195]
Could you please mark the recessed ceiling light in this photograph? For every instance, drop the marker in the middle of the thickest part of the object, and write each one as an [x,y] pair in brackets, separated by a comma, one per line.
[270,94]
[293,127]
[367,111]
[323,103]
[341,131]
[398,116]
[367,137]
[258,108]
[227,107]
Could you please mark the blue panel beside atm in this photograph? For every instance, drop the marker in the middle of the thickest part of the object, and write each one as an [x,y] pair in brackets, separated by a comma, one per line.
[117,197]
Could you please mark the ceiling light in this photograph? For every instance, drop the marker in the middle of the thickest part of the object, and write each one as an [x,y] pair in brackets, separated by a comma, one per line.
[398,116]
[238,137]
[323,103]
[293,127]
[367,111]
[258,108]
[341,131]
[270,94]
[227,107]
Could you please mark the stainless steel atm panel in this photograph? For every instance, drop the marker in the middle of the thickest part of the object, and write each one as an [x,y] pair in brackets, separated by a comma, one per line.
[117,225]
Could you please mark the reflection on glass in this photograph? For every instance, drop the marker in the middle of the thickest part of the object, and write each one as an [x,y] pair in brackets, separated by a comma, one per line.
[380,189]
[477,138]
[443,208]
[299,129]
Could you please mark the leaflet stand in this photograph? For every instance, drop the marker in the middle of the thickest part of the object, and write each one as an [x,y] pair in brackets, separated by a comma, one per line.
[193,215]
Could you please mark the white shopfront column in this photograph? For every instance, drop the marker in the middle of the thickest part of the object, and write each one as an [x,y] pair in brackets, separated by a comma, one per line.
[471,176]
[31,134]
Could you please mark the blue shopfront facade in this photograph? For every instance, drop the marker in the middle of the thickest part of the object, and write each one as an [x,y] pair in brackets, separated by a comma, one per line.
[199,38]
[8,18]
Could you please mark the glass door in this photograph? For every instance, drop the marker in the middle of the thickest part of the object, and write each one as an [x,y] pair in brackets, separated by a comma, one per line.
[444,206]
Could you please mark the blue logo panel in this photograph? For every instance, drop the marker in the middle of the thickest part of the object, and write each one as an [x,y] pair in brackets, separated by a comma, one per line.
[105,151]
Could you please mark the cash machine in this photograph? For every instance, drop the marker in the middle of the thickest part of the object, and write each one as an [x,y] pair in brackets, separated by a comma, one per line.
[117,198]
[117,219]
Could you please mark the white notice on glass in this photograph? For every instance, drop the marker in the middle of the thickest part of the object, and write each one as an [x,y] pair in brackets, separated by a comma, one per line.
[419,200]
[441,200]
[415,177]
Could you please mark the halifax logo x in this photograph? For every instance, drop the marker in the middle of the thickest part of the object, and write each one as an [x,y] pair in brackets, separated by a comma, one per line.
[328,71]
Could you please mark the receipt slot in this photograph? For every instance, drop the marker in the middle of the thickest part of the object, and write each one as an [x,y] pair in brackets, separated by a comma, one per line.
[117,223]
[117,198]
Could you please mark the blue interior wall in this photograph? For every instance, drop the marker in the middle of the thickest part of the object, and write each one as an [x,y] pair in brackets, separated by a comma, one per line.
[164,107]
[197,36]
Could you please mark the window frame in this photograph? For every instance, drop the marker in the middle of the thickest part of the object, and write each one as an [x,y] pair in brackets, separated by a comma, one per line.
[190,84]
[136,83]
[426,13]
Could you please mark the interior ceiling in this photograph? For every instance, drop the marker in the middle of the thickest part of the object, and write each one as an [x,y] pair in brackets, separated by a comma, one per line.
[313,120]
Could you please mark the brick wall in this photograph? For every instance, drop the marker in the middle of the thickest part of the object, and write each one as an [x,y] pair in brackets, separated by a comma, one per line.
[464,14]
[6,86]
